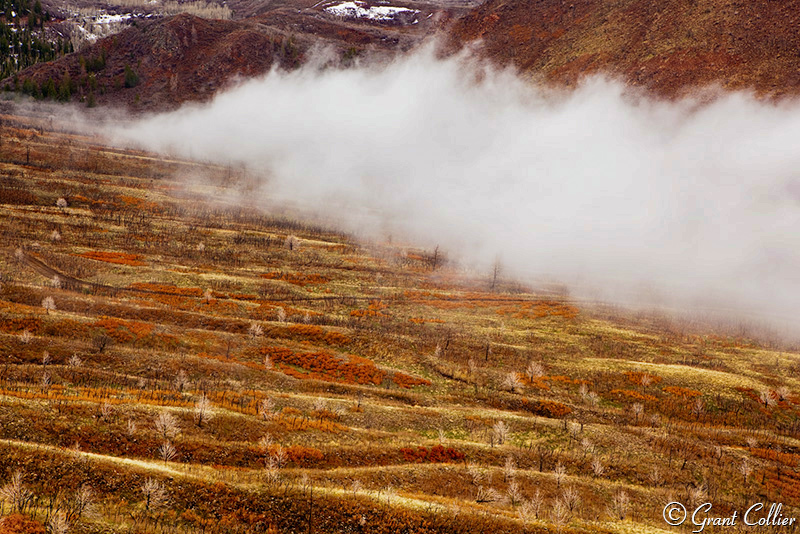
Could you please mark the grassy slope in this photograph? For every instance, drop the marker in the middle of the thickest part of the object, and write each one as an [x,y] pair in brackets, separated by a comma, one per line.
[151,340]
[669,47]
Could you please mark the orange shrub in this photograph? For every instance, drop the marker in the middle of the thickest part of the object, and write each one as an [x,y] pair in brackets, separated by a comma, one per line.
[635,395]
[304,456]
[546,408]
[539,309]
[120,258]
[124,331]
[324,366]
[18,324]
[638,377]
[375,309]
[682,392]
[19,524]
[436,454]
[792,460]
[406,381]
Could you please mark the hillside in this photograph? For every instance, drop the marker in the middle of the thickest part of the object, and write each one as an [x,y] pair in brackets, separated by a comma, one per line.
[157,64]
[668,47]
[165,61]
[177,364]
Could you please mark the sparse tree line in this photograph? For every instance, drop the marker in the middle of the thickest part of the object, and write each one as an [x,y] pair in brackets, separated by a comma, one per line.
[23,39]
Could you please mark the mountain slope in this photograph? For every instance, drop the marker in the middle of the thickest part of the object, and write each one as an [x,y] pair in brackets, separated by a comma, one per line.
[160,64]
[668,47]
[168,61]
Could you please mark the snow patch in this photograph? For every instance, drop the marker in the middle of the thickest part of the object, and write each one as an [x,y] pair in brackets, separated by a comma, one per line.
[357,10]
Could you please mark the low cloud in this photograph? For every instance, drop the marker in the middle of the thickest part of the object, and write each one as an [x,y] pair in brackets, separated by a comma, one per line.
[618,196]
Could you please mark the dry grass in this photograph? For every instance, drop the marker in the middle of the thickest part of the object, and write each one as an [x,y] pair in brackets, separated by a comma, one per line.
[375,368]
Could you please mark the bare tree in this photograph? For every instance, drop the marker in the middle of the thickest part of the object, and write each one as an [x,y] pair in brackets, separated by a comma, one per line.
[500,432]
[560,472]
[597,467]
[477,474]
[266,408]
[638,410]
[75,362]
[534,370]
[106,411]
[619,506]
[529,509]
[166,425]
[83,502]
[255,330]
[571,498]
[25,337]
[61,203]
[58,524]
[203,411]
[167,451]
[745,469]
[512,383]
[514,493]
[291,243]
[44,383]
[484,494]
[509,469]
[767,398]
[655,476]
[55,236]
[15,493]
[48,304]
[181,381]
[319,405]
[698,407]
[281,315]
[560,515]
[271,471]
[495,274]
[155,495]
[279,456]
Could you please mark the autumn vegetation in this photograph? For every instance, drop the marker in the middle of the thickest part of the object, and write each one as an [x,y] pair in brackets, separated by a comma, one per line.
[173,363]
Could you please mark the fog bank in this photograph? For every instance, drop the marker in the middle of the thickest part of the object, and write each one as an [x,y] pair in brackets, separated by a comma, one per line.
[615,195]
